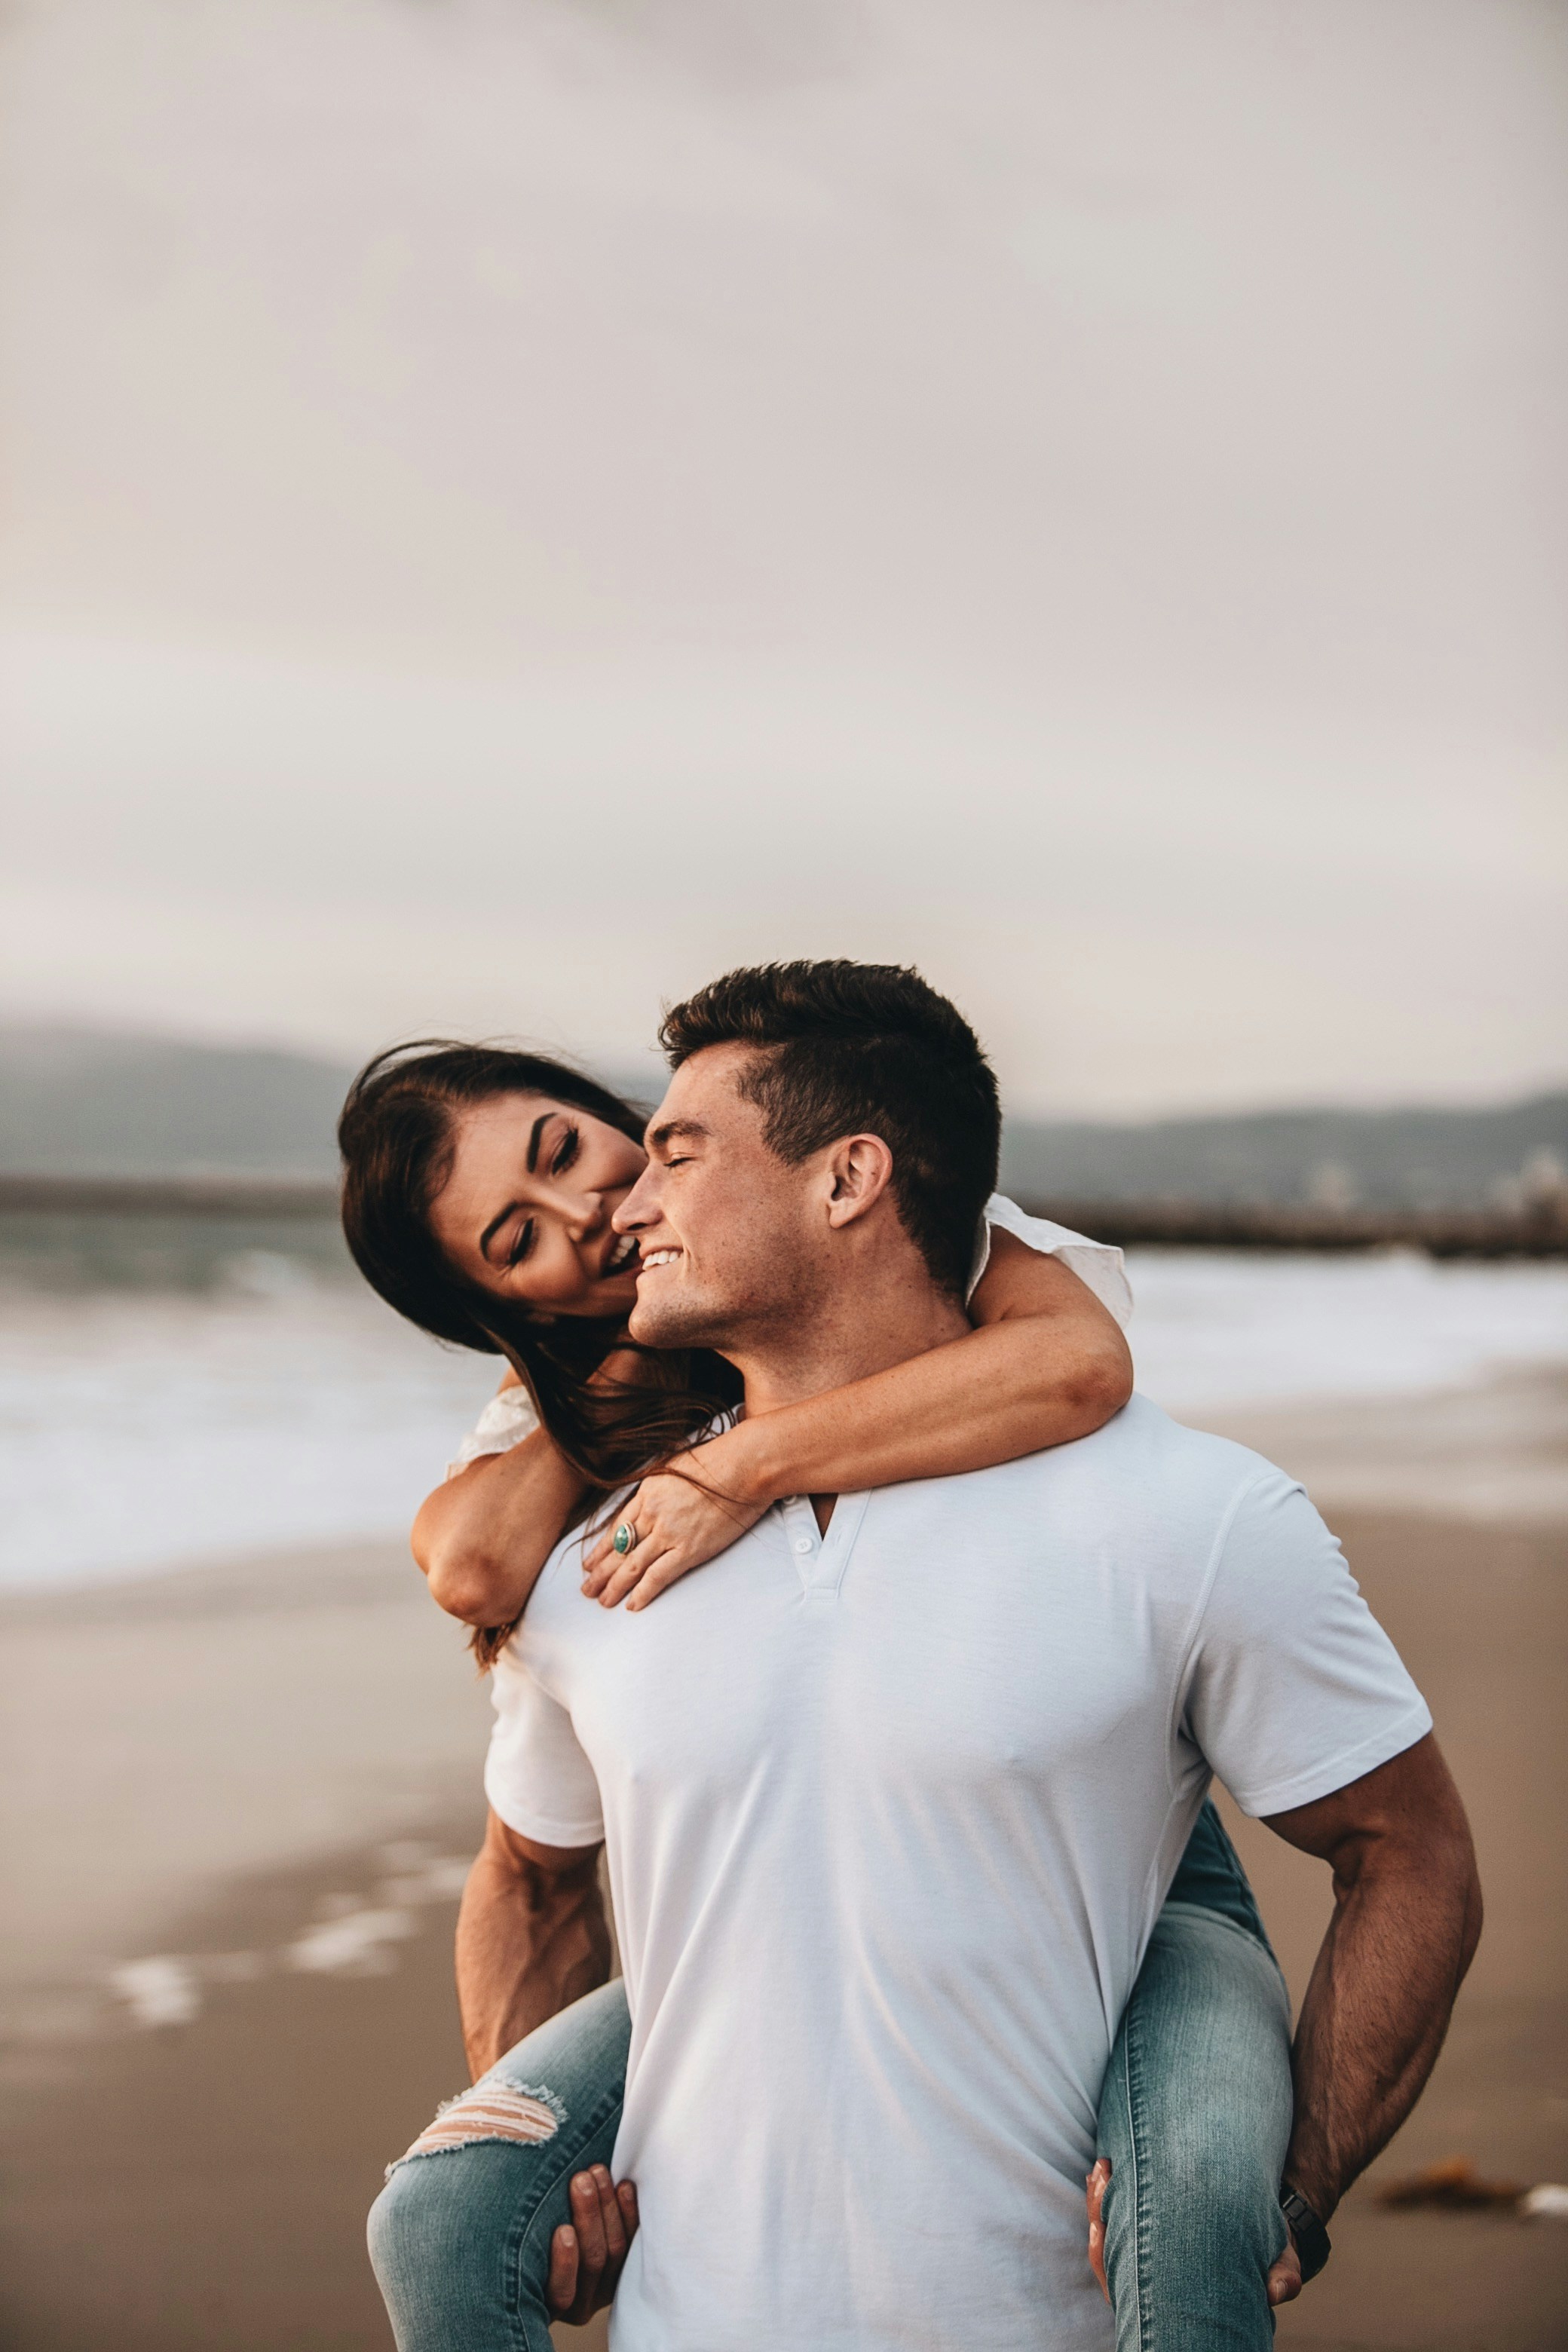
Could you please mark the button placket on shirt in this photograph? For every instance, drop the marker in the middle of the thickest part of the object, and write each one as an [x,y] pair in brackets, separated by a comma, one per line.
[818,1574]
[822,1560]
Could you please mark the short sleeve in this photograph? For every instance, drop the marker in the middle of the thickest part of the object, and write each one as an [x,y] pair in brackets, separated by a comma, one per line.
[506,1421]
[1294,1689]
[1098,1265]
[536,1776]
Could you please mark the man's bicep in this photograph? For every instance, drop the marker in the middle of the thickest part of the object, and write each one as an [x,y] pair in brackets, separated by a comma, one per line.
[1412,1795]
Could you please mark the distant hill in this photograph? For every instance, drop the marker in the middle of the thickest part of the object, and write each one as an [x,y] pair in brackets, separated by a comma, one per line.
[82,1103]
[1332,1158]
[77,1103]
[73,1103]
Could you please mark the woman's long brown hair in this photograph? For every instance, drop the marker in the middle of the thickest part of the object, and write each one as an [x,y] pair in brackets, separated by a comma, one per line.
[397,1137]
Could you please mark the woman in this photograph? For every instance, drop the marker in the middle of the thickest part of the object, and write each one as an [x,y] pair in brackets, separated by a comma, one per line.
[480,1189]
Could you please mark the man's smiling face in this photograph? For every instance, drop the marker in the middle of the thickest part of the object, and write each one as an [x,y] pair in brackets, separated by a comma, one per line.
[727,1235]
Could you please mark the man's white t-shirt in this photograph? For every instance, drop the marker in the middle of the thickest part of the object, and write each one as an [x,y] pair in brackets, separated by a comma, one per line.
[890,1814]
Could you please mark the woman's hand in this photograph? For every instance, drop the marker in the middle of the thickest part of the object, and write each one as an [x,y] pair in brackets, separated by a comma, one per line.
[681,1517]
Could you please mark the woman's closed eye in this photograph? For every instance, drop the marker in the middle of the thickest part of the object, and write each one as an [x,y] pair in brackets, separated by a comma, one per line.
[565,1152]
[523,1243]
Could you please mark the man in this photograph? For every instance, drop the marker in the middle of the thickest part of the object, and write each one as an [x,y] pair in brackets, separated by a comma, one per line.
[892,1791]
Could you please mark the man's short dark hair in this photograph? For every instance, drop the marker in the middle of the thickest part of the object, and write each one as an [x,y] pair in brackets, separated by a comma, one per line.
[864,1048]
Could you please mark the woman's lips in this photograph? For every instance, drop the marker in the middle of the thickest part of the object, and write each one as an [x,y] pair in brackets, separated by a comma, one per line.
[621,1257]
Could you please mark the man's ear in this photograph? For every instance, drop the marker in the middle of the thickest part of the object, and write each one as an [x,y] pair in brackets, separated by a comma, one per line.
[858,1171]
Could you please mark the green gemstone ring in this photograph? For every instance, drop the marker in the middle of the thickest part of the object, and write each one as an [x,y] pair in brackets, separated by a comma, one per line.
[624,1538]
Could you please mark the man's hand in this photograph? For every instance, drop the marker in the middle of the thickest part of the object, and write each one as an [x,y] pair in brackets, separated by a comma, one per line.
[1284,2278]
[587,2253]
[680,1519]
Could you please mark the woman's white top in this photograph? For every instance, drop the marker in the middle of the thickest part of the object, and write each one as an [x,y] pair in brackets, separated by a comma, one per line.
[509,1416]
[505,1422]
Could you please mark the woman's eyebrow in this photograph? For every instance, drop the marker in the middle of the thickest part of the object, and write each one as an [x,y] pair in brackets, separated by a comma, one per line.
[536,1131]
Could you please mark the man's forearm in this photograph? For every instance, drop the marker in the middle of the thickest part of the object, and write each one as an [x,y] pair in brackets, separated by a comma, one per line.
[529,1942]
[1406,1921]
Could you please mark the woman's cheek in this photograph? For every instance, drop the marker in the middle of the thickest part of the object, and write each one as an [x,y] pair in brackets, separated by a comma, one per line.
[570,1281]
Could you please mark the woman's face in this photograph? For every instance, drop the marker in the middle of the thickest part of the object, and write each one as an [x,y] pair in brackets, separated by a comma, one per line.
[526,1210]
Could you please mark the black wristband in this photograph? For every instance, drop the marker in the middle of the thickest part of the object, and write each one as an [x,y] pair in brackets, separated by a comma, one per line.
[1312,2247]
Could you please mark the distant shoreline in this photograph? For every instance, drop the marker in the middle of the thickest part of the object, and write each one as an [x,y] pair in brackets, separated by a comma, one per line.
[167,1196]
[1537,1230]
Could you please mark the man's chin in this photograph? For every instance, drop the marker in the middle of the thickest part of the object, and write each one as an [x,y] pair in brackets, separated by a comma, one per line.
[668,1322]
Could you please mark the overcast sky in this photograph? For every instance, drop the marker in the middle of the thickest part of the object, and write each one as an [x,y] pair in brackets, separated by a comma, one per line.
[516,504]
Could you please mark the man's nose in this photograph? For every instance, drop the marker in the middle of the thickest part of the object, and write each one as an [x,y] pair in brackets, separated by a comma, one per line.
[639,1208]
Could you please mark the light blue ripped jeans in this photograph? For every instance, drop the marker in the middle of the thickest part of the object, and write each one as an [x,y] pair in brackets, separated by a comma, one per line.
[1194,2116]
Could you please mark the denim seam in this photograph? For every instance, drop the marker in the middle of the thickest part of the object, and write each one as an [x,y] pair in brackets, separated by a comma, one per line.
[1140,2218]
[518,2236]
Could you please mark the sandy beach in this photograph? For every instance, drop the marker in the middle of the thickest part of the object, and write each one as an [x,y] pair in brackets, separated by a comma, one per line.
[238,1799]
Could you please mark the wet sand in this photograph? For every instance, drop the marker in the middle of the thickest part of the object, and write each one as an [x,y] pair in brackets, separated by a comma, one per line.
[1481,1615]
[217,1766]
[162,1738]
